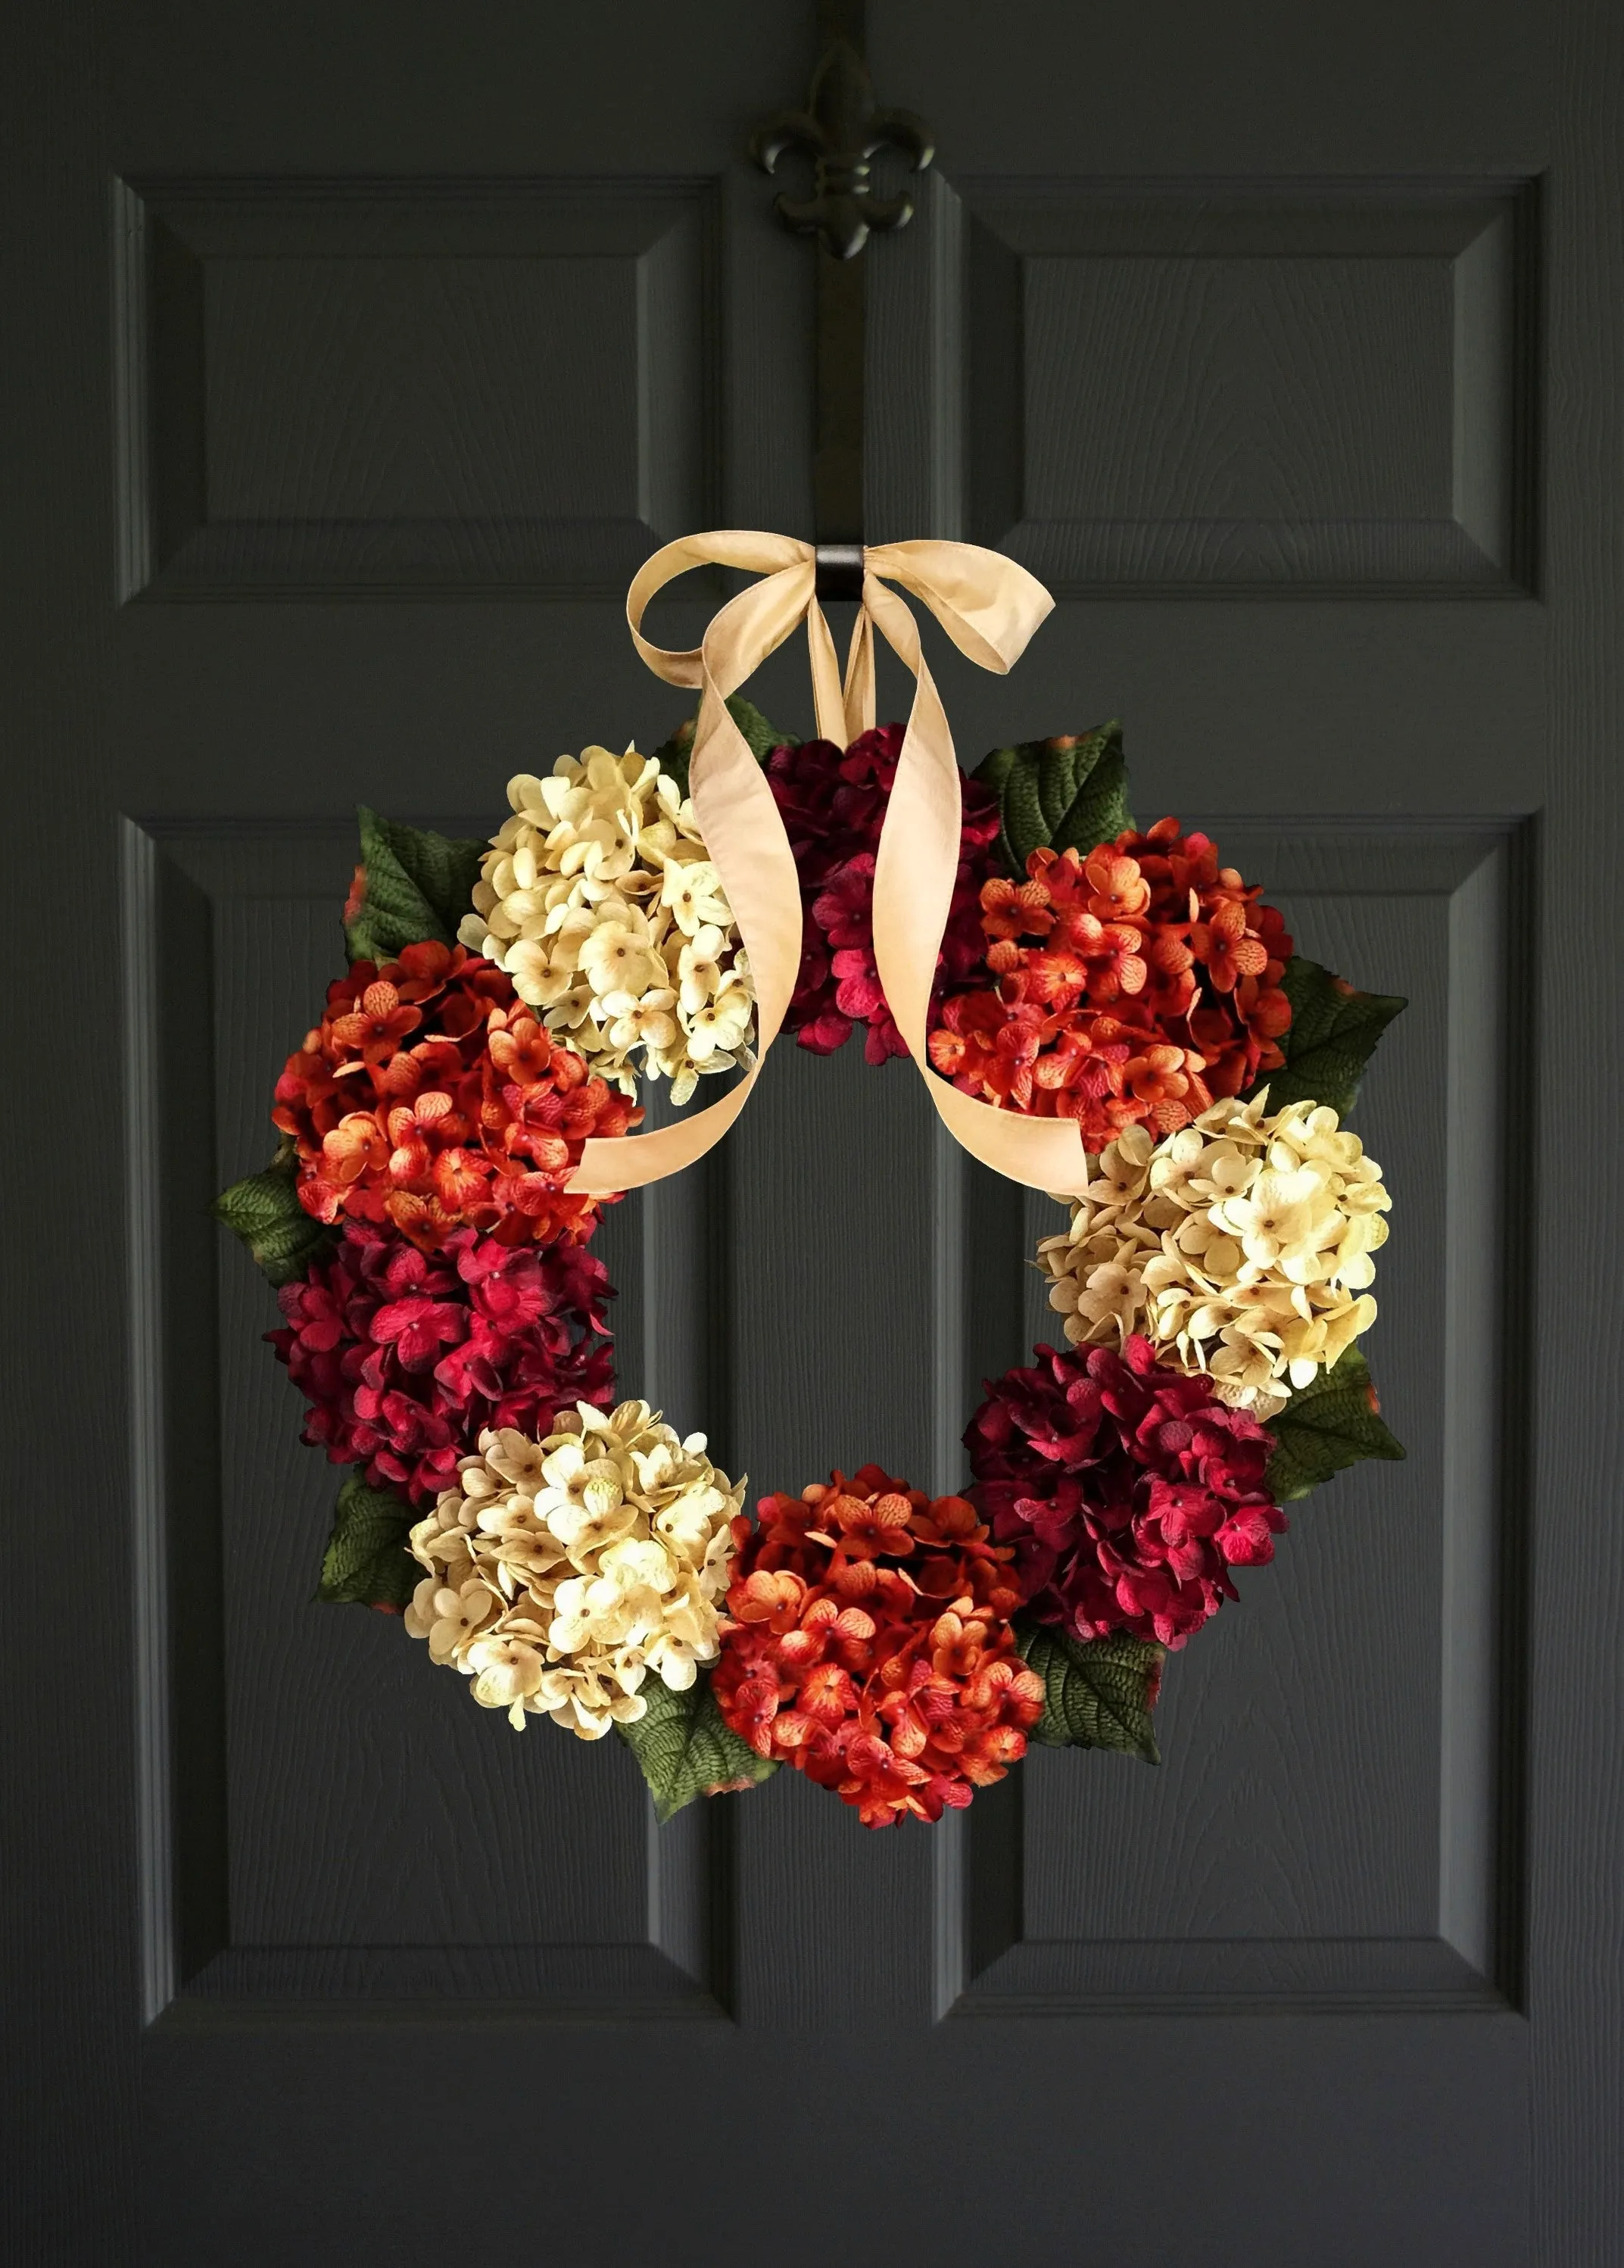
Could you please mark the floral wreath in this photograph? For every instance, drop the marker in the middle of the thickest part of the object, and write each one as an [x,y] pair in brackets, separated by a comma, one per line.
[1111,1002]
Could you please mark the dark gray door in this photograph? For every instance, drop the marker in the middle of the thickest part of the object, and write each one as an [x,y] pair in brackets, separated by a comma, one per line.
[354,357]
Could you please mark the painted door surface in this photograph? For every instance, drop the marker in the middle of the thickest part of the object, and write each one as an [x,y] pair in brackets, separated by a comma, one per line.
[354,358]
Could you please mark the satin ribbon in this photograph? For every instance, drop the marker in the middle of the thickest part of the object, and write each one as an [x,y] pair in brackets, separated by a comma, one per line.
[989,607]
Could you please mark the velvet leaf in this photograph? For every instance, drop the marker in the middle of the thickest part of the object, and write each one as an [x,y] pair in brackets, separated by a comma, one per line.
[1332,1036]
[1068,794]
[418,886]
[685,1747]
[366,1562]
[1098,1694]
[1326,1426]
[265,1212]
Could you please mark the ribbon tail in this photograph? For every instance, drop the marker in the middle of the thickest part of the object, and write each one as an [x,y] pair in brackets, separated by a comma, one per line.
[858,698]
[915,871]
[741,823]
[828,708]
[612,1163]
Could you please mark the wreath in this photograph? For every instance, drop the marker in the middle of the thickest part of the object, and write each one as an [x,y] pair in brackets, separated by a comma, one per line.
[427,1222]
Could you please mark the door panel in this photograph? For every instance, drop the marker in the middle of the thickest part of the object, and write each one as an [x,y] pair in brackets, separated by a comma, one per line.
[1335,1822]
[1194,385]
[333,1816]
[329,387]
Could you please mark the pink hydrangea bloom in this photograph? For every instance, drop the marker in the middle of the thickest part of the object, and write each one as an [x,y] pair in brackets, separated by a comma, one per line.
[833,807]
[406,1356]
[1128,1489]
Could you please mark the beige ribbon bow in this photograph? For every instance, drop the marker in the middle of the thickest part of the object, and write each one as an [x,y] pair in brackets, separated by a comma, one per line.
[989,607]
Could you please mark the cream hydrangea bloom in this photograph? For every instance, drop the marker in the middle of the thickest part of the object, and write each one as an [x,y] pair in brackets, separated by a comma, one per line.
[1239,1246]
[598,900]
[561,1572]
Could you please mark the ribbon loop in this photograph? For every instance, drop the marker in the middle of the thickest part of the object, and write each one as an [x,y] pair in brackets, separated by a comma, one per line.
[989,607]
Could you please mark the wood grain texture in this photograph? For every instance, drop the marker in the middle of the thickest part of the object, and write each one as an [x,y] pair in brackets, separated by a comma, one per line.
[371,388]
[180,1682]
[831,1304]
[915,339]
[70,1980]
[1302,387]
[1576,1984]
[1398,2096]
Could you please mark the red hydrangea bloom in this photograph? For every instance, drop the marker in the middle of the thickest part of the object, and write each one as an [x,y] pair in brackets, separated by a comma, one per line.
[407,1355]
[833,807]
[1128,1490]
[1133,985]
[869,1644]
[430,1099]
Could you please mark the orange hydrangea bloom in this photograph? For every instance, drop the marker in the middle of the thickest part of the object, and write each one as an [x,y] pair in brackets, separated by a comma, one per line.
[1132,985]
[429,1098]
[868,1643]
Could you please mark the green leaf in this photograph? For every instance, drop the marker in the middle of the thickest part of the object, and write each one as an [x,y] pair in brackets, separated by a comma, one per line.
[1098,813]
[1332,1036]
[367,1563]
[1098,1694]
[265,1212]
[686,1748]
[1325,1426]
[418,886]
[762,737]
[673,755]
[1068,794]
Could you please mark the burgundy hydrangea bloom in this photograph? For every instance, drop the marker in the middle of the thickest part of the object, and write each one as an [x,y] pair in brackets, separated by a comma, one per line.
[833,807]
[407,1355]
[1128,1489]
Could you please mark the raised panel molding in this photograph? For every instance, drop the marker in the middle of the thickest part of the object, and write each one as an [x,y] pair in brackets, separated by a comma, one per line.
[370,388]
[322,1820]
[1309,387]
[1338,1822]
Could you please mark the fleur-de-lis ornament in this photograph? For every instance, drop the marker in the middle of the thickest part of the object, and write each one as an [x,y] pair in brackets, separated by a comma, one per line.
[841,131]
